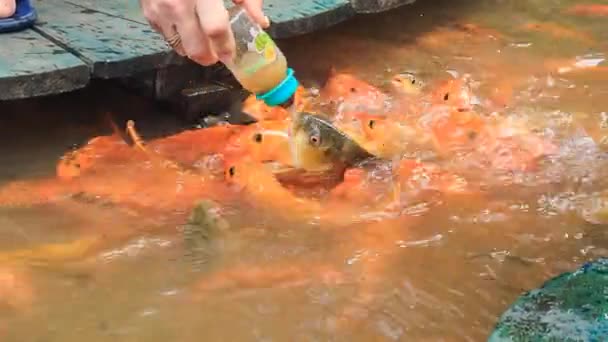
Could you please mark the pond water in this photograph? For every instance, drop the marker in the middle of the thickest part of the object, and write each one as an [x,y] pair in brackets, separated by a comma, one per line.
[444,274]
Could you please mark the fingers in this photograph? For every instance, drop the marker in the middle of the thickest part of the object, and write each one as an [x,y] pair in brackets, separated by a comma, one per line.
[255,11]
[161,14]
[214,21]
[195,44]
[172,35]
[203,26]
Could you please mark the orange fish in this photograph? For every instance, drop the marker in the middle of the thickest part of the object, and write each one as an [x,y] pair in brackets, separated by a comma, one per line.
[388,138]
[261,111]
[558,31]
[454,92]
[406,84]
[258,186]
[102,149]
[148,182]
[186,147]
[303,99]
[510,146]
[138,185]
[455,130]
[588,10]
[352,93]
[264,141]
[190,146]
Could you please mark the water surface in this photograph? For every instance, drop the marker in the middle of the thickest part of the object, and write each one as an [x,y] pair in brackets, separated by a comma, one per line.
[446,276]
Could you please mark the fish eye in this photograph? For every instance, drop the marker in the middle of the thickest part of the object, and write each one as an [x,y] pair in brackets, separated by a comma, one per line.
[353,89]
[231,171]
[446,96]
[315,140]
[472,135]
[413,81]
[257,137]
[371,124]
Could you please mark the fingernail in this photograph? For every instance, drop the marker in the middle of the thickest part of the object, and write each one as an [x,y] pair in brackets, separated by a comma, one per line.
[266,21]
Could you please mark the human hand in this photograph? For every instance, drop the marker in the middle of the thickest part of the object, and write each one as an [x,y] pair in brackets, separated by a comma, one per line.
[199,29]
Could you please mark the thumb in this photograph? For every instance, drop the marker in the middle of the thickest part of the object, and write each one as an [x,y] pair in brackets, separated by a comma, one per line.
[254,9]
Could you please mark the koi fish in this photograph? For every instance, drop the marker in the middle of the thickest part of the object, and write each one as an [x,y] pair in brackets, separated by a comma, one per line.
[406,84]
[262,189]
[454,92]
[256,184]
[455,130]
[388,138]
[317,145]
[102,149]
[190,146]
[264,141]
[351,93]
[508,145]
[261,111]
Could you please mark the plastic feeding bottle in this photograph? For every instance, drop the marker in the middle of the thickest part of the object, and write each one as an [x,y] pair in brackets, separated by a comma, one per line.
[258,64]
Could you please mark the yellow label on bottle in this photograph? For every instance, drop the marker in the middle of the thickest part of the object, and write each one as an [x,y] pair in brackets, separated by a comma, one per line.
[270,53]
[266,48]
[261,40]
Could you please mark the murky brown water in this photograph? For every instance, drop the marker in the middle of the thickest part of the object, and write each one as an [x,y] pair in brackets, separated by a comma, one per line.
[445,276]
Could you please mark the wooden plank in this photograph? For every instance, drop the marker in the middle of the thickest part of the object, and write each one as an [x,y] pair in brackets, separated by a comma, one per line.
[112,39]
[127,9]
[110,45]
[295,17]
[31,65]
[376,6]
[288,17]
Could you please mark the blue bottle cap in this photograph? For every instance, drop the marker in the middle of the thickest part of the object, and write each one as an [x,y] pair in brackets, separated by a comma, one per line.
[282,92]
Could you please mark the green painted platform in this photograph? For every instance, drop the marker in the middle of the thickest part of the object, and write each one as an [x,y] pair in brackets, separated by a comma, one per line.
[75,41]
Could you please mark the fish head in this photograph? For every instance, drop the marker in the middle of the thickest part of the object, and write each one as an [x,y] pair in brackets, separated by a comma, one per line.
[406,84]
[455,93]
[317,145]
[354,94]
[262,142]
